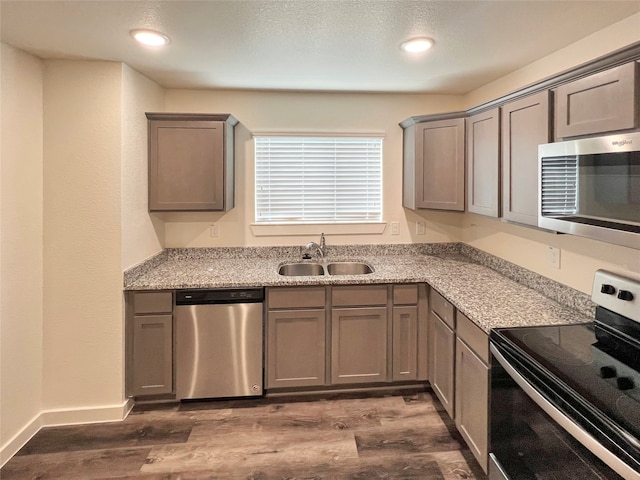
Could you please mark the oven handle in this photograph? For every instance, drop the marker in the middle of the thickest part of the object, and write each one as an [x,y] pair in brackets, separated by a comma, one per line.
[567,423]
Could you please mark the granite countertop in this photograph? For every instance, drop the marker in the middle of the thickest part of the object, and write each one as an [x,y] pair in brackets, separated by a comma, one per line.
[489,291]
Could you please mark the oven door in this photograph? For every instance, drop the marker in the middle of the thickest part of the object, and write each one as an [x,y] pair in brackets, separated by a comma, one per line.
[531,438]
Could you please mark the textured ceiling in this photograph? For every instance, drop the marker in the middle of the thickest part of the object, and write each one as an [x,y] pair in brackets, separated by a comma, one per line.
[341,45]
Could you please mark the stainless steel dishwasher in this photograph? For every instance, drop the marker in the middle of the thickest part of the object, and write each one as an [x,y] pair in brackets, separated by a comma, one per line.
[219,343]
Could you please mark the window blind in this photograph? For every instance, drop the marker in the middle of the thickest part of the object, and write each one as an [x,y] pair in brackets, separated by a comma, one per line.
[318,179]
[560,185]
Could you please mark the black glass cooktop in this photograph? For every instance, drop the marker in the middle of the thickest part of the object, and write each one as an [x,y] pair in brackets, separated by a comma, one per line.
[578,372]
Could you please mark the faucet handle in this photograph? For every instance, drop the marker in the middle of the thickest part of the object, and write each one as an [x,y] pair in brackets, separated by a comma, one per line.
[322,241]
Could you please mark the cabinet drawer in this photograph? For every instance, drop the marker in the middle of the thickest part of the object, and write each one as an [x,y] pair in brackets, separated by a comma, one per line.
[296,297]
[473,336]
[405,294]
[359,295]
[152,302]
[439,305]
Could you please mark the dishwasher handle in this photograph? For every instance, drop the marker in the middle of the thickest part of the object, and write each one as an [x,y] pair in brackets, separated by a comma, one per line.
[219,296]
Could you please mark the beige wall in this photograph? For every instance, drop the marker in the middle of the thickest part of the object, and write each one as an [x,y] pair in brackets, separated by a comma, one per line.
[607,40]
[142,235]
[306,112]
[83,328]
[21,278]
[528,247]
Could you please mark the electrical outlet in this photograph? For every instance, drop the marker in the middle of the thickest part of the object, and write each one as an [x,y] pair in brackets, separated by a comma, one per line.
[395,228]
[554,257]
[214,231]
[421,227]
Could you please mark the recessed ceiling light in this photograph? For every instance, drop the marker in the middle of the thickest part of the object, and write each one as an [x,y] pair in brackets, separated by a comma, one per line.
[150,37]
[417,45]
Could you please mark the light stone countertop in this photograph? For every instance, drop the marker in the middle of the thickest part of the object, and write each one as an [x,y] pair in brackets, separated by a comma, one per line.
[500,296]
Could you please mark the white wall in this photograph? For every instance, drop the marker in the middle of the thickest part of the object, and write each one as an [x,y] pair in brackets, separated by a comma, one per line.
[21,277]
[83,328]
[142,234]
[307,112]
[580,257]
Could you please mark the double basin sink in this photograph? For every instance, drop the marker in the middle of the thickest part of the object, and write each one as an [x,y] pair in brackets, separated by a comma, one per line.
[334,268]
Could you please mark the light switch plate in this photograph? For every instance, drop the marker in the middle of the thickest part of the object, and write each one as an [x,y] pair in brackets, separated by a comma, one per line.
[214,231]
[421,227]
[395,228]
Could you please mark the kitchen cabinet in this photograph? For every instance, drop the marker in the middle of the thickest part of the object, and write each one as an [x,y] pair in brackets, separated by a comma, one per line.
[433,165]
[483,163]
[191,162]
[526,123]
[359,333]
[602,102]
[442,350]
[296,333]
[405,345]
[150,343]
[472,387]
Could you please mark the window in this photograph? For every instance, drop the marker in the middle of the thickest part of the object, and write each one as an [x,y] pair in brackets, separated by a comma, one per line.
[318,179]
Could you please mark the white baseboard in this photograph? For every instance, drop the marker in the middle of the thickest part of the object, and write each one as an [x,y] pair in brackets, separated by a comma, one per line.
[58,417]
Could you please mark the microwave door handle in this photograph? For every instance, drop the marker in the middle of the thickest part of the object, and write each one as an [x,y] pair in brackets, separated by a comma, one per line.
[575,430]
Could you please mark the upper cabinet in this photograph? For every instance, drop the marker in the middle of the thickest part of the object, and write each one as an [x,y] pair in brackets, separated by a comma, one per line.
[191,162]
[526,123]
[434,165]
[483,163]
[603,102]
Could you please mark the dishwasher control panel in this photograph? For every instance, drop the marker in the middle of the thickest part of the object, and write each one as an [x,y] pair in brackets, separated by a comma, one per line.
[219,295]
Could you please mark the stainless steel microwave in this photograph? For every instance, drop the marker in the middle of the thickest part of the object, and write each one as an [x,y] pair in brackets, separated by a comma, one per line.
[591,187]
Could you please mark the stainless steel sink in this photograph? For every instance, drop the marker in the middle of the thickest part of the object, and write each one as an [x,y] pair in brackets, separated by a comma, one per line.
[349,268]
[301,269]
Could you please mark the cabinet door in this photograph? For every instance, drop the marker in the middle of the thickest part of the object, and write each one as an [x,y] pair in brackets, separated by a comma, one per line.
[405,343]
[483,163]
[186,165]
[434,172]
[603,102]
[472,402]
[359,345]
[441,361]
[525,125]
[152,355]
[295,348]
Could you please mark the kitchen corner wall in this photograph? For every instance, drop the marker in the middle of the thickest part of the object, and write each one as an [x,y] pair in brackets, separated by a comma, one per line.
[21,277]
[529,247]
[83,326]
[142,234]
[73,215]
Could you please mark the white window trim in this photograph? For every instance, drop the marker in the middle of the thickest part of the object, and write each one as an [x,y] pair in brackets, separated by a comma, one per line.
[307,229]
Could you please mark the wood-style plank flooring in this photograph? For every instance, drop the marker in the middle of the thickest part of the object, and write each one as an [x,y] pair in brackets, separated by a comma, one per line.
[359,437]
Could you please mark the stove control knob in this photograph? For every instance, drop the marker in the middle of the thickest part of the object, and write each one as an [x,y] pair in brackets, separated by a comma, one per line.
[607,289]
[607,372]
[625,383]
[625,295]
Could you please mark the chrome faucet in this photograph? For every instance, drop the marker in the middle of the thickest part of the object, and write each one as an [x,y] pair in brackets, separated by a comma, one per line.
[320,248]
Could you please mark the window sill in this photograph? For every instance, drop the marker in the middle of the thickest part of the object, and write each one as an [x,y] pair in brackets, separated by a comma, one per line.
[282,230]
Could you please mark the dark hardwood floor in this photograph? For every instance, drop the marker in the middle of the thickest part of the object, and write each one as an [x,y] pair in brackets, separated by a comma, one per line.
[333,437]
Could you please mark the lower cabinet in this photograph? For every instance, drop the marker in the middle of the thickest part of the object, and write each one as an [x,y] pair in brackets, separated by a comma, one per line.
[295,348]
[296,337]
[405,343]
[358,345]
[442,340]
[459,373]
[345,334]
[149,343]
[472,387]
